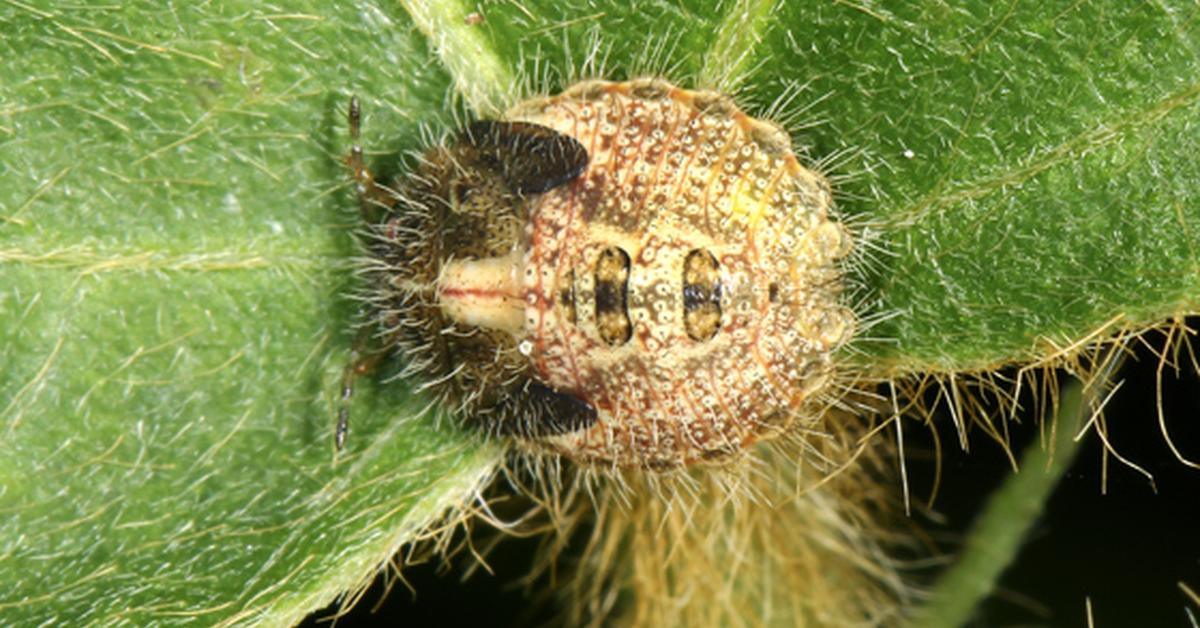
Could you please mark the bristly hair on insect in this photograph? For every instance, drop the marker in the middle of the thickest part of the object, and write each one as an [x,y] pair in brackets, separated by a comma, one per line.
[627,274]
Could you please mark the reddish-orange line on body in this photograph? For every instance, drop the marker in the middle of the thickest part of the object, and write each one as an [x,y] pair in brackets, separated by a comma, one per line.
[459,293]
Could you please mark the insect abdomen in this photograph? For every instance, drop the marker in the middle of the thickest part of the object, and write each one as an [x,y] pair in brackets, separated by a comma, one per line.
[723,246]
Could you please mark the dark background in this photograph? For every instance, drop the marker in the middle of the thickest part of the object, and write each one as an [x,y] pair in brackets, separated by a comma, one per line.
[1125,550]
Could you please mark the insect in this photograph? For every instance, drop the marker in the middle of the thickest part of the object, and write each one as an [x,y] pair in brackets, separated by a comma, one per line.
[629,274]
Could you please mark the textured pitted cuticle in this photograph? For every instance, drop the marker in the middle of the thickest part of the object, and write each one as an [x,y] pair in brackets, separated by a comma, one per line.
[705,372]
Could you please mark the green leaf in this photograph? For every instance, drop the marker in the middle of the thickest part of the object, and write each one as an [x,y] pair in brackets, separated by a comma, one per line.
[174,246]
[173,285]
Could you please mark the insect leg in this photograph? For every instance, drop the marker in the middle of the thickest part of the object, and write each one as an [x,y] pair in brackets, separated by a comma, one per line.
[362,361]
[371,196]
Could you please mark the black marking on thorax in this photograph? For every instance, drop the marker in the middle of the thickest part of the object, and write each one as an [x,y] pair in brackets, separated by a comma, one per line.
[535,410]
